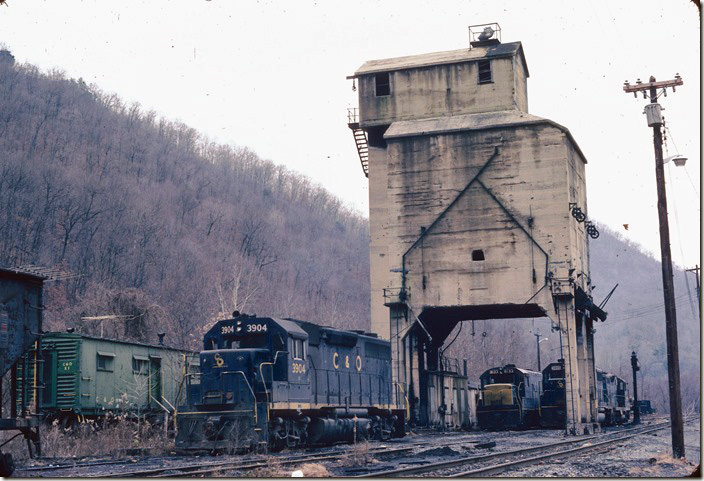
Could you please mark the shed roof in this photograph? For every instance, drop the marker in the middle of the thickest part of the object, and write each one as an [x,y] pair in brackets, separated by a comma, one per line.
[48,337]
[480,121]
[440,58]
[17,273]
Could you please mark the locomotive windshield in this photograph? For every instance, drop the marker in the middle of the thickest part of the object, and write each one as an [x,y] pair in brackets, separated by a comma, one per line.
[498,378]
[252,342]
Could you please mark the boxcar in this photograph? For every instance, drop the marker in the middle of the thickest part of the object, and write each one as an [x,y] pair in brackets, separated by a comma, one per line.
[75,376]
[510,398]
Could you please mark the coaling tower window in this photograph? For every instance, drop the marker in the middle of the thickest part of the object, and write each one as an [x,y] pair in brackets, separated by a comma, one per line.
[382,84]
[485,72]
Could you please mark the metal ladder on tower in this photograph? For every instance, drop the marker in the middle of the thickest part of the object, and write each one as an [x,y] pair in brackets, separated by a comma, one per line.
[360,139]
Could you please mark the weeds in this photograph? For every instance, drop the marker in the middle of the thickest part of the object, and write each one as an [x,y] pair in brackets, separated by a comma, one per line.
[114,435]
[358,456]
[273,469]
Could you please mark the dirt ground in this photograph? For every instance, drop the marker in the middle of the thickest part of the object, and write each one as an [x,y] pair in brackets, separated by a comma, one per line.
[648,456]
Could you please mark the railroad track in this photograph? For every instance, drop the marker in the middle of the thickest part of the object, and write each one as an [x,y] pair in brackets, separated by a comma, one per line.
[249,463]
[160,467]
[450,467]
[429,438]
[201,469]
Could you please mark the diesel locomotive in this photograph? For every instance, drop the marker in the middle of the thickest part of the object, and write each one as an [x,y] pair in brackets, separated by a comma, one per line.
[612,392]
[612,396]
[552,404]
[510,398]
[277,383]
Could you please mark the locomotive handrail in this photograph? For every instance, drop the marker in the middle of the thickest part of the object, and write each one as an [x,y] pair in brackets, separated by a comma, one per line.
[254,398]
[261,373]
[518,401]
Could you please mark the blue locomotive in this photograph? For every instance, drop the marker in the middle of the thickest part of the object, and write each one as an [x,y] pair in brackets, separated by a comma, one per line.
[612,397]
[553,413]
[510,398]
[612,392]
[278,383]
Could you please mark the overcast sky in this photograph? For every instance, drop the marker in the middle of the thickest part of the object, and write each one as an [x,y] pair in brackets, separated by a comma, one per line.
[270,75]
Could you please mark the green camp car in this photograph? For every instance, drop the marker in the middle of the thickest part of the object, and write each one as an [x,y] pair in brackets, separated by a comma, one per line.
[75,376]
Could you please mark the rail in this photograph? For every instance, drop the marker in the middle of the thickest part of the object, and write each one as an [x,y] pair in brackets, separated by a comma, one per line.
[441,466]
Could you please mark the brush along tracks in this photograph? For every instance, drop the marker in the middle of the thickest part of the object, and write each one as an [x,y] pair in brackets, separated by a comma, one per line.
[498,462]
[185,466]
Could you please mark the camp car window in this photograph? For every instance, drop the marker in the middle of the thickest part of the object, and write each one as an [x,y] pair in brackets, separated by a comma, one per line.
[104,362]
[139,365]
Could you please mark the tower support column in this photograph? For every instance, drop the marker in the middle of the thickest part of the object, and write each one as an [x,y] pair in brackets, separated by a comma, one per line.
[591,375]
[574,407]
[397,324]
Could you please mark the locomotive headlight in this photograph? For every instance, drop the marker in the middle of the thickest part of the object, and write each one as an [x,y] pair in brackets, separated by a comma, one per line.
[239,326]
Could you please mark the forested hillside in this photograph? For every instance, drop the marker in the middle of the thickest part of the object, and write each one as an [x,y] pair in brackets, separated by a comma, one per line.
[172,231]
[160,224]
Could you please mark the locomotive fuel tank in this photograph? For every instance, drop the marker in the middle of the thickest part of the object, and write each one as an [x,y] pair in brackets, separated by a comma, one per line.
[331,430]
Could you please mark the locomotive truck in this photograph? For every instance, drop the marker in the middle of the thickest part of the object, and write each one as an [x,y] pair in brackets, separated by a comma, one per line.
[277,383]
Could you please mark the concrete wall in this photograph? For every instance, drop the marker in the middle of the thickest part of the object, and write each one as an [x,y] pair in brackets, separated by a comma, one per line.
[536,174]
[443,90]
[520,86]
[379,244]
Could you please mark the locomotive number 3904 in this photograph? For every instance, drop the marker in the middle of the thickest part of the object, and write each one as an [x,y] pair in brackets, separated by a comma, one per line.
[250,328]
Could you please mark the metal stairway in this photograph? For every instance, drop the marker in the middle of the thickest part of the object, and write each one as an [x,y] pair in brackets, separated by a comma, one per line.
[360,140]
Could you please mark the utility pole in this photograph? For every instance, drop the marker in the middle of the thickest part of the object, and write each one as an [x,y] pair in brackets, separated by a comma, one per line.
[695,269]
[636,368]
[654,116]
